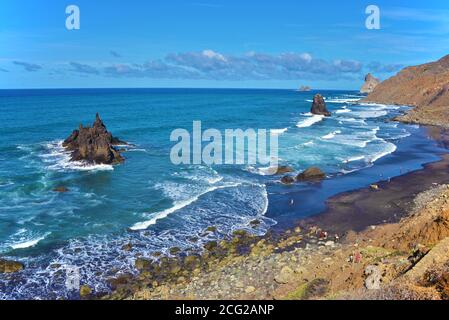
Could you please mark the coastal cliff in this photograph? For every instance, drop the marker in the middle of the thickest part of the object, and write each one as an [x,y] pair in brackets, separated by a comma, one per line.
[424,87]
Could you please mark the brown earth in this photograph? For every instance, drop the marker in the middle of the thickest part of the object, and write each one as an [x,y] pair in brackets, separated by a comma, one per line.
[425,87]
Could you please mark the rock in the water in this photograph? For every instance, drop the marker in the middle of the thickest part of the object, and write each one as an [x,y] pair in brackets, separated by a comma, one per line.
[319,106]
[94,144]
[284,169]
[370,84]
[85,291]
[7,266]
[288,180]
[305,88]
[311,174]
[61,189]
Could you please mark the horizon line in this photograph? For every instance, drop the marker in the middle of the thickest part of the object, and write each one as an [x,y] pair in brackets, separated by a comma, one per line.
[189,88]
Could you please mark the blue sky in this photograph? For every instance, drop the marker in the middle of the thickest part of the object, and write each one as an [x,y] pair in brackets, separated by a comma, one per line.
[206,43]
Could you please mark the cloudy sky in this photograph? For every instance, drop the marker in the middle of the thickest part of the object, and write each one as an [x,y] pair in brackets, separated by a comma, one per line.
[207,43]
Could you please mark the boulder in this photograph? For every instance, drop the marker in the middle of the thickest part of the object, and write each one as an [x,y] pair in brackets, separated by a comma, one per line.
[370,84]
[94,144]
[304,89]
[61,189]
[373,278]
[288,180]
[85,291]
[7,266]
[284,169]
[319,106]
[284,276]
[311,174]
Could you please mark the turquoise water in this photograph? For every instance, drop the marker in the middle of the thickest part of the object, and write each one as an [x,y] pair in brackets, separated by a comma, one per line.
[156,205]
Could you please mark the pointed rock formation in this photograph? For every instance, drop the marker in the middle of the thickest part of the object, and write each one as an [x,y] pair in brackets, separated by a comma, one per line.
[370,84]
[94,144]
[319,106]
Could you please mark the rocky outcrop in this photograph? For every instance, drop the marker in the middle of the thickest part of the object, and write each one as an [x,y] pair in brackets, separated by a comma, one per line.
[305,89]
[319,106]
[284,169]
[311,174]
[7,266]
[61,189]
[287,180]
[94,144]
[370,84]
[425,87]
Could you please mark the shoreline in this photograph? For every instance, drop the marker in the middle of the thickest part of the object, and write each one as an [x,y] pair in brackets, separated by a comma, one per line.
[311,241]
[395,195]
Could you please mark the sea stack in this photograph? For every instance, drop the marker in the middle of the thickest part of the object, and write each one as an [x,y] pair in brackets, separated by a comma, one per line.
[370,84]
[319,106]
[94,144]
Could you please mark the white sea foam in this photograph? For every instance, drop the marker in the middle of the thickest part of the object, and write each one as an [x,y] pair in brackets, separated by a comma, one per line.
[344,110]
[342,100]
[276,132]
[308,143]
[28,243]
[381,106]
[389,148]
[353,120]
[354,158]
[177,206]
[58,159]
[331,135]
[370,113]
[309,121]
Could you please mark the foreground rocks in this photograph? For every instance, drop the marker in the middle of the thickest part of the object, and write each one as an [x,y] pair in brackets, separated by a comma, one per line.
[7,266]
[319,106]
[373,264]
[94,144]
[370,84]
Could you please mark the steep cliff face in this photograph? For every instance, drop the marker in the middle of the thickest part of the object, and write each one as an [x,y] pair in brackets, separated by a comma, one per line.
[425,87]
[370,84]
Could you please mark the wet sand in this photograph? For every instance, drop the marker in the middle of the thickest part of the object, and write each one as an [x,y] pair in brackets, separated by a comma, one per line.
[357,210]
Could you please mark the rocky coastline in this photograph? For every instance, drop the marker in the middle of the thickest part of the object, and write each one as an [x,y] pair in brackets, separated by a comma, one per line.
[380,249]
[394,244]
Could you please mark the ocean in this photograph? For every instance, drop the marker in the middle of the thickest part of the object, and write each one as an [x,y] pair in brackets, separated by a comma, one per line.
[156,205]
